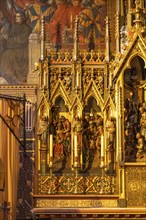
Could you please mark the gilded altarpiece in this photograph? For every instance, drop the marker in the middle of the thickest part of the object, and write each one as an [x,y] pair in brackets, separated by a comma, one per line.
[90,134]
[90,118]
[91,137]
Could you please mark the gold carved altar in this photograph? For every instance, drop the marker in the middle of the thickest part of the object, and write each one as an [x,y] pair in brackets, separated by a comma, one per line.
[90,157]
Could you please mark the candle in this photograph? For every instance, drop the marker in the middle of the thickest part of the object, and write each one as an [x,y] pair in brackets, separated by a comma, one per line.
[77,79]
[75,146]
[102,151]
[51,145]
[102,148]
[110,80]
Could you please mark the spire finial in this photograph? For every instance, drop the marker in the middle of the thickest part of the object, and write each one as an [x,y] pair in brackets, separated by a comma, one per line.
[76,52]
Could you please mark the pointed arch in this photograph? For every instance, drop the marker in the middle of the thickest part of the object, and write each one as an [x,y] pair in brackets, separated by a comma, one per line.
[60,102]
[92,102]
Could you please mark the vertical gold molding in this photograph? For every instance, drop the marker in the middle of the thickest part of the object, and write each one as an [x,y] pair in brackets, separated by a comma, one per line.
[129,15]
[76,49]
[42,46]
[107,38]
[121,183]
[105,141]
[38,148]
[117,133]
[72,136]
[117,32]
[145,93]
[9,185]
[119,121]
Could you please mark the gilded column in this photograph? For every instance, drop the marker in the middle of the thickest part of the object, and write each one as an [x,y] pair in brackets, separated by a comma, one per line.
[129,14]
[137,20]
[76,46]
[117,33]
[107,38]
[120,143]
[119,124]
[42,37]
[77,142]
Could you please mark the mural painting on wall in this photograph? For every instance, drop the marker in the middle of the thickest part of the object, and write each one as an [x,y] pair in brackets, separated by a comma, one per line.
[19,18]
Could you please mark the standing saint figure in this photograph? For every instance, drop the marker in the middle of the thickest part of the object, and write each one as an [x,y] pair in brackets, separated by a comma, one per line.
[58,149]
[57,24]
[142,111]
[72,12]
[14,59]
[66,125]
[43,131]
[4,31]
[78,128]
[110,129]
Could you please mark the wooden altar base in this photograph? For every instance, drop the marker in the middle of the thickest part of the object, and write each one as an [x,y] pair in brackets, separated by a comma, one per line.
[89,213]
[84,207]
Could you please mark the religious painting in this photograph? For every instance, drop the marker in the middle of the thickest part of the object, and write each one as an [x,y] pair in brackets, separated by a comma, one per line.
[19,19]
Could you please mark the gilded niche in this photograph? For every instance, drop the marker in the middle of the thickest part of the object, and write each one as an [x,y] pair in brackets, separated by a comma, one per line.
[135,111]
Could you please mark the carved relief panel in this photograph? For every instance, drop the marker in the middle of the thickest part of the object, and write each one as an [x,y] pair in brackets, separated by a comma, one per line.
[135,111]
[72,143]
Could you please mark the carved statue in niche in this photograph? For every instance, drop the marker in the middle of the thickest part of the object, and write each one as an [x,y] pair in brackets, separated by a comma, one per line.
[131,114]
[131,127]
[77,143]
[140,145]
[62,143]
[86,77]
[67,136]
[99,125]
[90,147]
[92,129]
[67,81]
[99,79]
[77,128]
[110,128]
[85,124]
[142,110]
[43,134]
[131,82]
[58,149]
[43,131]
[141,135]
[111,132]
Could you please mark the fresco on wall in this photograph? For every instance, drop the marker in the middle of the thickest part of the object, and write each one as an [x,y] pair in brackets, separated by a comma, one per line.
[20,18]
